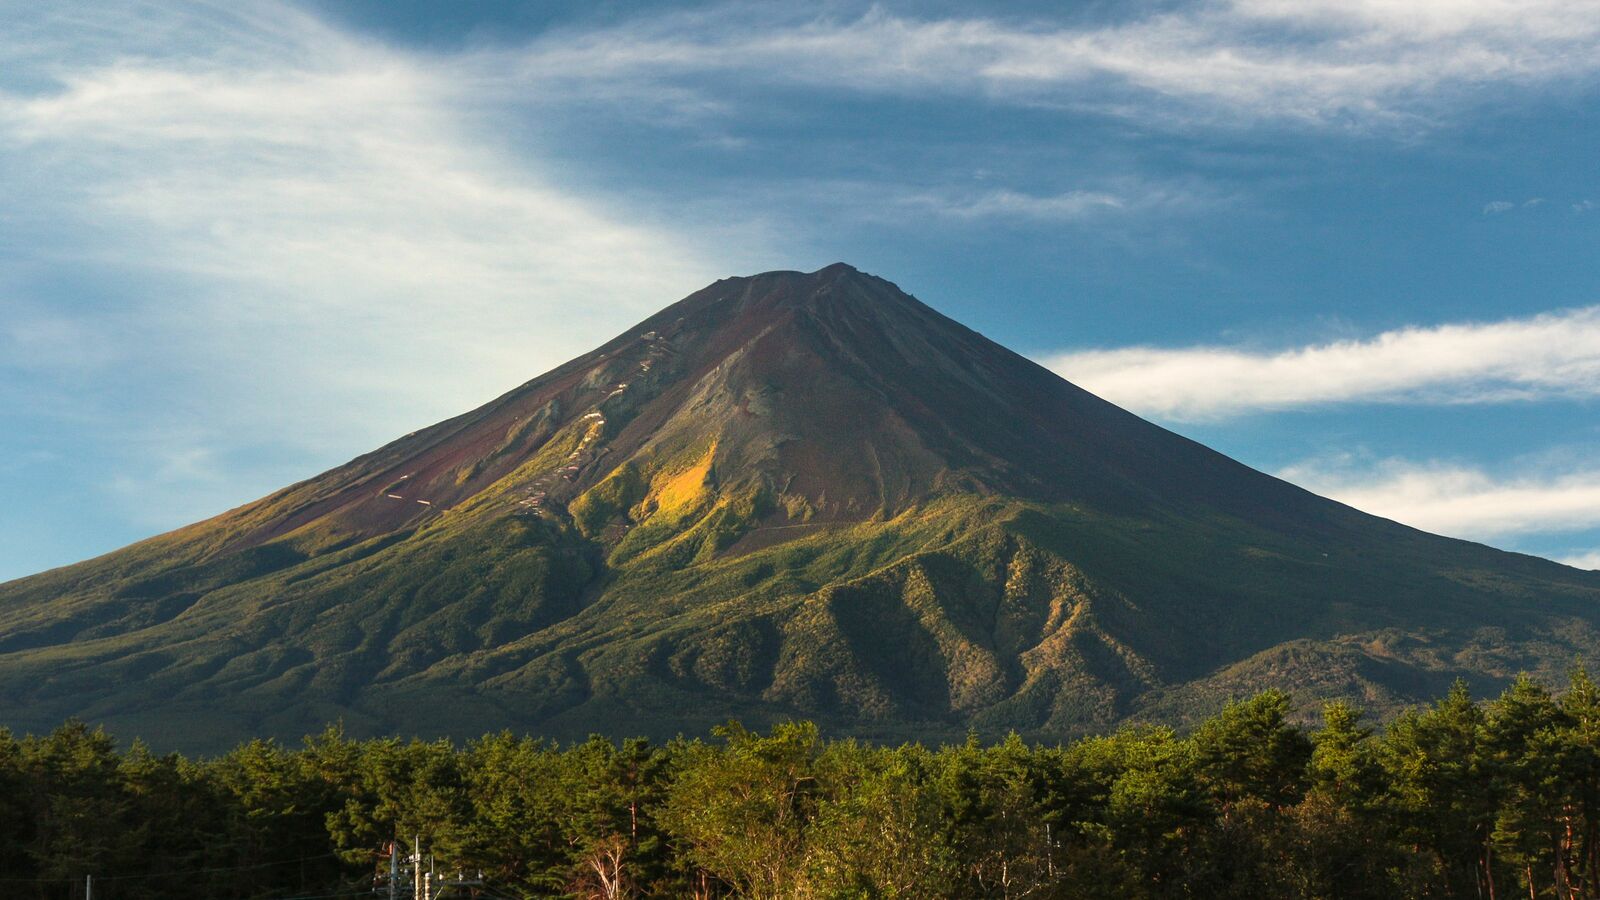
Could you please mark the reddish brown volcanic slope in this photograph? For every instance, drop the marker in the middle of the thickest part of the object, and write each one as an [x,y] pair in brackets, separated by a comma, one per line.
[785,495]
[883,402]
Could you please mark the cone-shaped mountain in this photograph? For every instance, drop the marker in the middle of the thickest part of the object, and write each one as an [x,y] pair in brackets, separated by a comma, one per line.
[789,495]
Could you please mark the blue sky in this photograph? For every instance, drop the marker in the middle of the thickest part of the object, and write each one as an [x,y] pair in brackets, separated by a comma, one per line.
[1349,242]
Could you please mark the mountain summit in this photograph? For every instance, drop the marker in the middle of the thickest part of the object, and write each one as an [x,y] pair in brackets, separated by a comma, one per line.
[788,495]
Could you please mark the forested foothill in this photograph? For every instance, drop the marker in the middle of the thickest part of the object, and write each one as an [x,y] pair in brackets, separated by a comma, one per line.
[1461,799]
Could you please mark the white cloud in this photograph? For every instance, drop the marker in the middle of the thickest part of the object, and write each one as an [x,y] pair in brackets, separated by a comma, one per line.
[1555,355]
[1589,560]
[1312,60]
[1461,501]
[1497,206]
[181,476]
[1014,204]
[290,233]
[1117,197]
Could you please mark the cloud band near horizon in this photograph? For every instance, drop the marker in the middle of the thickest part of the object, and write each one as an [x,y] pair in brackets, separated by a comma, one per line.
[1463,501]
[1549,356]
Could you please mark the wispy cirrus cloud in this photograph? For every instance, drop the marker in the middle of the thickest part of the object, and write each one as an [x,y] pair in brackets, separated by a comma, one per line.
[233,227]
[299,181]
[1554,355]
[1461,500]
[1015,204]
[1321,61]
[1110,198]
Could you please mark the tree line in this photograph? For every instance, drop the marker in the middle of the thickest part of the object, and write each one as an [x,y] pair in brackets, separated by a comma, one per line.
[1457,800]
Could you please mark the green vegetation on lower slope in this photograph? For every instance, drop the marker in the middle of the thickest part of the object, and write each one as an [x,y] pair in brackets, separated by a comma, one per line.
[989,613]
[662,605]
[1453,800]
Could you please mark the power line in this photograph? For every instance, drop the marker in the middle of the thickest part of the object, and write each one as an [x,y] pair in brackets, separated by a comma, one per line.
[499,892]
[74,879]
[420,869]
[361,893]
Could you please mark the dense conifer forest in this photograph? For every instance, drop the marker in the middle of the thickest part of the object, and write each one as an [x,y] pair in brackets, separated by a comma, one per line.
[1462,799]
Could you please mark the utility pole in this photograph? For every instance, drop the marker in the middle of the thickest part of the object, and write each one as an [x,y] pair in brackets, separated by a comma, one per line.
[88,887]
[426,881]
[462,881]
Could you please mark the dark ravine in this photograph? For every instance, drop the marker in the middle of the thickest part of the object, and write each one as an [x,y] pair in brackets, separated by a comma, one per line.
[789,495]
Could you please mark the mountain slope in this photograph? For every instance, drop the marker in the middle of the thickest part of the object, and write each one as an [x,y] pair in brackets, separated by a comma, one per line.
[786,495]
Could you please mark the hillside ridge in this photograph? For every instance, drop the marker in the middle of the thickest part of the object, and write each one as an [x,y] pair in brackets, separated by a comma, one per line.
[786,495]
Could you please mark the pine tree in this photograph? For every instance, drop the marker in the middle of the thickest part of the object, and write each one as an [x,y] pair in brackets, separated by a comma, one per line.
[1439,796]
